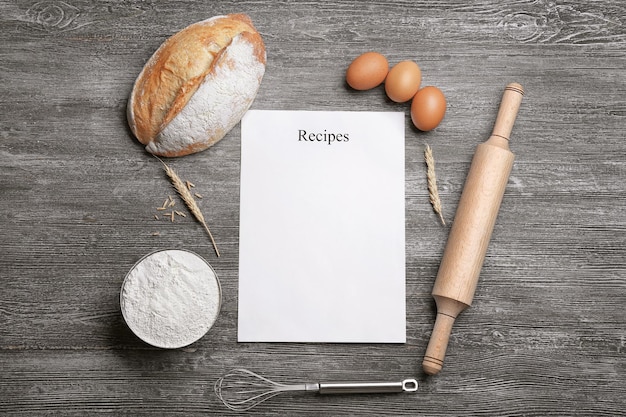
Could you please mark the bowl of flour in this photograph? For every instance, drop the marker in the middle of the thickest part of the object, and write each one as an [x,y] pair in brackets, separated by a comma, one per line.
[170,298]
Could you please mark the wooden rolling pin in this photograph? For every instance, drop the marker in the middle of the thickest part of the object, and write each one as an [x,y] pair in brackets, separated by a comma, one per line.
[473,223]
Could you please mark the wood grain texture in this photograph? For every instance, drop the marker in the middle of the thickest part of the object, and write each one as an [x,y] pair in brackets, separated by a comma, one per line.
[546,333]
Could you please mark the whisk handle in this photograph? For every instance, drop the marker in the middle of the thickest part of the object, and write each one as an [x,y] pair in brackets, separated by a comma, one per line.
[408,385]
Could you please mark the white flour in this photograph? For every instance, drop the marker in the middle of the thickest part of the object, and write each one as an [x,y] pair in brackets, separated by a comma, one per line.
[170,298]
[219,103]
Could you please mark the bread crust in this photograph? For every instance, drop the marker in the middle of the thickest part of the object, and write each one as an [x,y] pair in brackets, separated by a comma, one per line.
[197,85]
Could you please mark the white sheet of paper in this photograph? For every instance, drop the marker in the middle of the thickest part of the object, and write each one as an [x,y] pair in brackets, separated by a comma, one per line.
[322,234]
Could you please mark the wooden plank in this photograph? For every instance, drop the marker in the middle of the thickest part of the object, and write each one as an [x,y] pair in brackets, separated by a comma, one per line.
[546,332]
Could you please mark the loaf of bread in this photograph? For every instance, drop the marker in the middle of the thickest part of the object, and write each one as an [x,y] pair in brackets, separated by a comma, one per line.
[197,86]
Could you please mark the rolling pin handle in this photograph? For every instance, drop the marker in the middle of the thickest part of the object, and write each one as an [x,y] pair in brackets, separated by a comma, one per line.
[447,312]
[507,113]
[437,346]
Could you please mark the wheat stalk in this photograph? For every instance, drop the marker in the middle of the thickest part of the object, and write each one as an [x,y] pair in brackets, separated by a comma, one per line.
[433,194]
[188,199]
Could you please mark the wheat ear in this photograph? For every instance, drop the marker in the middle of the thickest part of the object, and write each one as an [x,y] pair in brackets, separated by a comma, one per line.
[189,201]
[433,194]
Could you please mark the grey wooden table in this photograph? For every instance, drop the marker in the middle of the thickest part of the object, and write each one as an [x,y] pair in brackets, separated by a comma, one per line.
[546,334]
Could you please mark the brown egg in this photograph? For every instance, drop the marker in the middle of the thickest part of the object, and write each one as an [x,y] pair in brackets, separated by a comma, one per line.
[403,81]
[367,71]
[428,108]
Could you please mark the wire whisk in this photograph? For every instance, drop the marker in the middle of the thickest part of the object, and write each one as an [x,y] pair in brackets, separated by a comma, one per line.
[241,389]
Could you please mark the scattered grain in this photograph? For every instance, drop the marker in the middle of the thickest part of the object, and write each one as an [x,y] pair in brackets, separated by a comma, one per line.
[189,201]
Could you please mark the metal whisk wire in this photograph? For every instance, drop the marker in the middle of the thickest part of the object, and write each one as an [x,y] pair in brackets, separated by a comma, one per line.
[241,389]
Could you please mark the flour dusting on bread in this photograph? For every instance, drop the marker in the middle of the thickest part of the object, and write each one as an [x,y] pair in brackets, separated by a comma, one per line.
[197,86]
[218,104]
